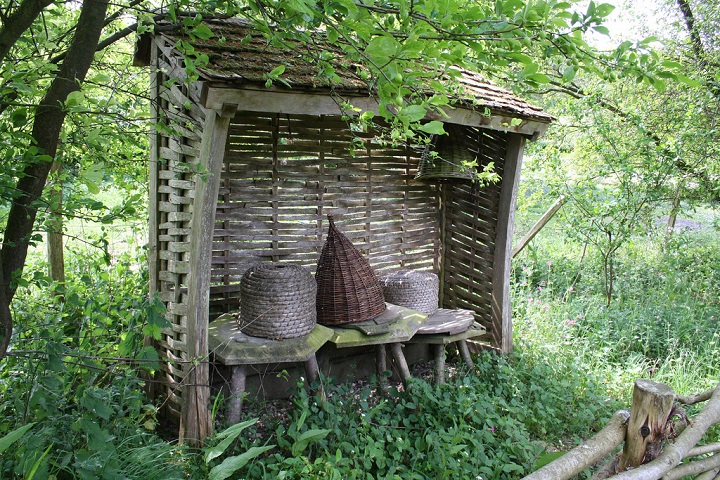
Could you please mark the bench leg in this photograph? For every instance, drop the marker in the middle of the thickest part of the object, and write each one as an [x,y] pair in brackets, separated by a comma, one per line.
[465,353]
[237,392]
[439,364]
[381,366]
[402,365]
[312,372]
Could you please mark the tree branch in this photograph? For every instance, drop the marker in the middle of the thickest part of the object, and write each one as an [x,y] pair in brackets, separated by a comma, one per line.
[585,455]
[18,22]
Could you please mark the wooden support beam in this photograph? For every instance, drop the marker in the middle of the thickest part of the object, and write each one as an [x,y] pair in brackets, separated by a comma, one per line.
[539,225]
[501,311]
[195,422]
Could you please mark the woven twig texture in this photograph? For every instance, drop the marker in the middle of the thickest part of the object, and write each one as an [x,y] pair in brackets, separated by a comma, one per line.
[348,289]
[277,301]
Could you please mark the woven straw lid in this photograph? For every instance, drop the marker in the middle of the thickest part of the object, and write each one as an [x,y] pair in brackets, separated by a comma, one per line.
[348,289]
[412,289]
[277,301]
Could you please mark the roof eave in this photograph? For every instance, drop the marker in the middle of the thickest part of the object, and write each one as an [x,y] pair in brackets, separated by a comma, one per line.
[255,98]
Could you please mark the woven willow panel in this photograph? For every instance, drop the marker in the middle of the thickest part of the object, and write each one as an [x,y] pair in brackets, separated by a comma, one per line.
[470,220]
[177,151]
[283,174]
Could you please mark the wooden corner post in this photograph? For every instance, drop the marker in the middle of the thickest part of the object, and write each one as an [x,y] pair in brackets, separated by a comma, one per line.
[651,409]
[501,312]
[195,422]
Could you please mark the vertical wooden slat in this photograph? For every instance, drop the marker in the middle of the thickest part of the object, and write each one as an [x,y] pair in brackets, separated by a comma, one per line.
[501,311]
[196,423]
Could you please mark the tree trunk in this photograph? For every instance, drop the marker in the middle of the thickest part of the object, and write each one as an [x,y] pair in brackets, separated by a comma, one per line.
[55,252]
[672,217]
[48,122]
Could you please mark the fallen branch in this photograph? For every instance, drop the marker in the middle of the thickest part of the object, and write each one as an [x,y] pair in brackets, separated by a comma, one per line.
[592,451]
[711,475]
[539,225]
[694,468]
[703,450]
[693,399]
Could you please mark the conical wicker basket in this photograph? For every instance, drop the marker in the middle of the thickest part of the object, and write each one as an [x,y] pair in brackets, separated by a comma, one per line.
[452,160]
[348,289]
[277,301]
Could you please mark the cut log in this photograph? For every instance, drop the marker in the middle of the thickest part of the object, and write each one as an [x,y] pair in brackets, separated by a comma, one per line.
[675,452]
[651,408]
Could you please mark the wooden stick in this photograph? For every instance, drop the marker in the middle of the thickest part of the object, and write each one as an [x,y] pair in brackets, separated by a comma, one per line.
[583,456]
[707,464]
[709,475]
[539,225]
[704,449]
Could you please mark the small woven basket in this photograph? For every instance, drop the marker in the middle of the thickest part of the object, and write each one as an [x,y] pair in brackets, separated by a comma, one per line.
[447,157]
[348,289]
[412,289]
[277,301]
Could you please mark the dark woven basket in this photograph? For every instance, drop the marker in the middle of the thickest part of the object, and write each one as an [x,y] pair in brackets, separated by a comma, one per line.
[277,301]
[412,289]
[348,289]
[447,157]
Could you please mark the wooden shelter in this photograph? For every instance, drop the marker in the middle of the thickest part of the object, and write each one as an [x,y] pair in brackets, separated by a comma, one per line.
[241,173]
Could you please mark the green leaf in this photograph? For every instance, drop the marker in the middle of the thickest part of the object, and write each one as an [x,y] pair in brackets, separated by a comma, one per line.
[539,78]
[306,439]
[229,434]
[605,9]
[602,29]
[202,31]
[33,470]
[568,74]
[232,464]
[687,80]
[75,98]
[415,113]
[14,436]
[433,128]
[672,65]
[277,71]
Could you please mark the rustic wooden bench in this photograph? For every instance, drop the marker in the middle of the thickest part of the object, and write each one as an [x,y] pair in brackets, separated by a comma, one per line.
[236,350]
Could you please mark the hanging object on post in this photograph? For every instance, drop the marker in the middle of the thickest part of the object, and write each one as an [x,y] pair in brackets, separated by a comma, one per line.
[448,157]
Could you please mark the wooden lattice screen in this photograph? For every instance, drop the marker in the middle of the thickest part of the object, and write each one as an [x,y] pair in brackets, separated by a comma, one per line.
[282,174]
[469,221]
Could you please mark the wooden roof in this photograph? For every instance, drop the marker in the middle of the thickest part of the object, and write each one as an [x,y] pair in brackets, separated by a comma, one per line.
[240,57]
